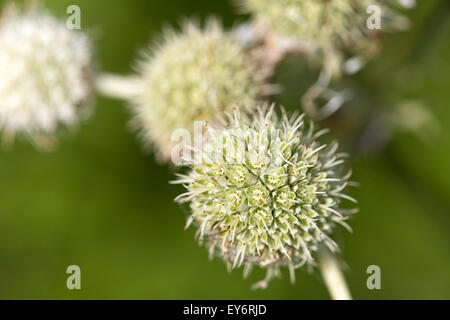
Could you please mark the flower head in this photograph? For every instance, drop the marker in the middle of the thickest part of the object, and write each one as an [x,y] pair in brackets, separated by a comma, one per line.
[265,192]
[45,79]
[193,75]
[331,27]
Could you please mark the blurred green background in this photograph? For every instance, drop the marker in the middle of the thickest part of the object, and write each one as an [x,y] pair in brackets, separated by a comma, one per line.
[101,203]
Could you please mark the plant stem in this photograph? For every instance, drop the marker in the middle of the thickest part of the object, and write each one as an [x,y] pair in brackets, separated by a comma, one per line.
[119,87]
[333,277]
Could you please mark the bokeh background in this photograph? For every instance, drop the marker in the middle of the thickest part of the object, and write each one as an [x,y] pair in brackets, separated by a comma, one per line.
[102,203]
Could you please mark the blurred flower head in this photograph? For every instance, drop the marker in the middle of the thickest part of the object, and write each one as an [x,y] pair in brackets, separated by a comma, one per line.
[327,29]
[266,193]
[45,79]
[196,74]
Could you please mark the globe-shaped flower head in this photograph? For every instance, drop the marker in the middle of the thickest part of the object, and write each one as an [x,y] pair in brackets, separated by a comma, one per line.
[196,74]
[264,192]
[45,79]
[330,26]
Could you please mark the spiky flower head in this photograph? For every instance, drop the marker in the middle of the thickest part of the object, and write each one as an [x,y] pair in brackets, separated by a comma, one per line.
[196,74]
[264,192]
[332,27]
[45,79]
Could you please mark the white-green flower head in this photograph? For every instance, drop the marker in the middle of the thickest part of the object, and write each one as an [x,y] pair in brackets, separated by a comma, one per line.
[195,74]
[45,80]
[264,192]
[331,26]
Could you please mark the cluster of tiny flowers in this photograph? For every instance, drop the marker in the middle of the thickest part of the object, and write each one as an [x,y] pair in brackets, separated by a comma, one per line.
[330,26]
[45,74]
[266,193]
[193,75]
